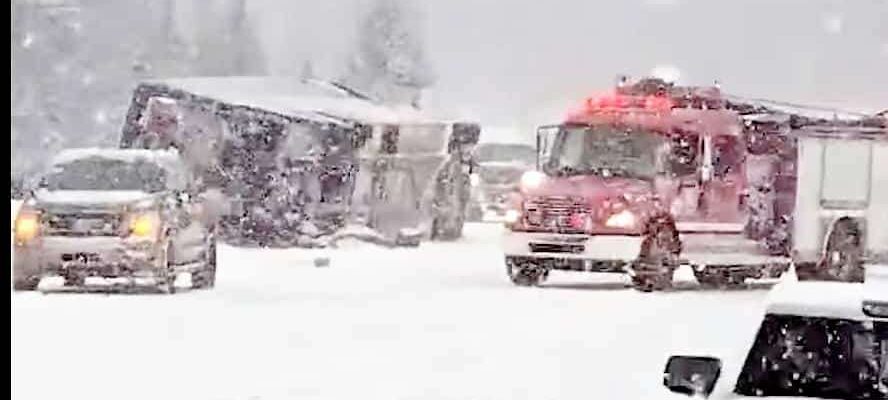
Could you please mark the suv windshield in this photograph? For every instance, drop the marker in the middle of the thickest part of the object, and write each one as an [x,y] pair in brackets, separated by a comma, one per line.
[814,357]
[107,174]
[605,151]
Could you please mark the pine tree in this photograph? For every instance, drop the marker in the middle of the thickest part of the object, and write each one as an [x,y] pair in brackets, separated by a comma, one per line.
[389,60]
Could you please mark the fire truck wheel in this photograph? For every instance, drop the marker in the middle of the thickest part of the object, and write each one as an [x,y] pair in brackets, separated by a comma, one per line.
[659,258]
[523,273]
[842,260]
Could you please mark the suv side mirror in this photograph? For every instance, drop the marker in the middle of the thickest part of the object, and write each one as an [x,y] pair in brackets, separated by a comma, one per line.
[692,376]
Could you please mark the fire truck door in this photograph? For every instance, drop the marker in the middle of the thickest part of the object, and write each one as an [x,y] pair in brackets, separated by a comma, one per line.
[684,164]
[546,137]
[722,180]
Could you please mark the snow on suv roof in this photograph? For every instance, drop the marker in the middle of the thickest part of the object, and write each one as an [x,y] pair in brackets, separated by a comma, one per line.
[817,299]
[163,157]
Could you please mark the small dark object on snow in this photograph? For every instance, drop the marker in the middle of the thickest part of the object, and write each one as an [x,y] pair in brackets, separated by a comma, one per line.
[322,262]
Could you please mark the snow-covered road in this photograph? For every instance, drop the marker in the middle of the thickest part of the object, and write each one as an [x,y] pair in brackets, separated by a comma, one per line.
[441,321]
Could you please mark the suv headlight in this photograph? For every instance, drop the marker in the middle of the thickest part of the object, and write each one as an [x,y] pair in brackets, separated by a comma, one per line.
[27,226]
[144,225]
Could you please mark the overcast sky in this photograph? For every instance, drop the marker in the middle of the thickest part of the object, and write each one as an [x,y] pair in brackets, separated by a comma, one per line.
[506,60]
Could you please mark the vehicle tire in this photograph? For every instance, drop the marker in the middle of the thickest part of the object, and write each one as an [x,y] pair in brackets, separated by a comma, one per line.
[844,254]
[206,277]
[27,284]
[523,273]
[659,256]
[167,284]
[713,279]
[452,192]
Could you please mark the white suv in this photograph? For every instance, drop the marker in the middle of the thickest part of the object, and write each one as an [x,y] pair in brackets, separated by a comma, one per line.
[817,340]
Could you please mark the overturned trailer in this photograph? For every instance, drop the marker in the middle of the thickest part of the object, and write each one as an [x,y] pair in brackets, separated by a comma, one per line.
[305,162]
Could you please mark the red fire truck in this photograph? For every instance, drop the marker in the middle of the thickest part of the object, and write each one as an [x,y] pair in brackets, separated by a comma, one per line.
[640,181]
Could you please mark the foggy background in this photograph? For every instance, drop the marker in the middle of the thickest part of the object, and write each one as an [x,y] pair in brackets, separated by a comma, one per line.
[507,61]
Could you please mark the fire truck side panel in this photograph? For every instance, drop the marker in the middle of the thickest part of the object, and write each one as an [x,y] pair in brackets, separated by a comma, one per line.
[877,215]
[808,229]
[841,178]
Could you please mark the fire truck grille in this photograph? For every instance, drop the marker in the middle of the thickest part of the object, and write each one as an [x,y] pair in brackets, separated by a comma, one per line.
[554,213]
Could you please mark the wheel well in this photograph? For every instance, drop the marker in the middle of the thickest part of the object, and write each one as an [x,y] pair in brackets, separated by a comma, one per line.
[846,221]
[656,221]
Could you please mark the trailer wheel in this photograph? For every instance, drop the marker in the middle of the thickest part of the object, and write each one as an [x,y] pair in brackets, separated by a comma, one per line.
[844,252]
[524,273]
[659,257]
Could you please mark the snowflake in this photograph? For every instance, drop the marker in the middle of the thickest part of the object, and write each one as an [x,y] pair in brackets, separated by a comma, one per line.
[28,40]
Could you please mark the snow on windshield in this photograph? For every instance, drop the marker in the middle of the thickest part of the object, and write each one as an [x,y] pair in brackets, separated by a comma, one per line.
[606,151]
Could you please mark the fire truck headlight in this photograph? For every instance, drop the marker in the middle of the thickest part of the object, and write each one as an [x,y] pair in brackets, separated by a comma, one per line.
[474,179]
[532,179]
[623,219]
[512,216]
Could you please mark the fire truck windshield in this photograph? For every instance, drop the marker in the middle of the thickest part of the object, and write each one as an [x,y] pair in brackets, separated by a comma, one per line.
[605,151]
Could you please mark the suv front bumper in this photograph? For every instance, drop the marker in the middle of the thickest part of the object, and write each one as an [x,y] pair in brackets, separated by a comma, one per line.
[87,256]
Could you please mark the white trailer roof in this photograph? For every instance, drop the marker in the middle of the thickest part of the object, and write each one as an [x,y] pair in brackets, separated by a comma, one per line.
[306,98]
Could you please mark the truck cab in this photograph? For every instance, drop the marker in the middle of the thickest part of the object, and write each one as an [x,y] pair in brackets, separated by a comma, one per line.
[639,181]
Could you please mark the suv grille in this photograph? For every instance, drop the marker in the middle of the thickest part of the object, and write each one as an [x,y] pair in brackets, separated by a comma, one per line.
[77,224]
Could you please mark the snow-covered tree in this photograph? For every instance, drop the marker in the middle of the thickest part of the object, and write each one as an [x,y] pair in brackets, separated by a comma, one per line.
[76,62]
[389,60]
[225,43]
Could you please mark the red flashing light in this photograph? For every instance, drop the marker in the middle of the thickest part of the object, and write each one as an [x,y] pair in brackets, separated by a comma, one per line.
[656,103]
[611,101]
[607,101]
